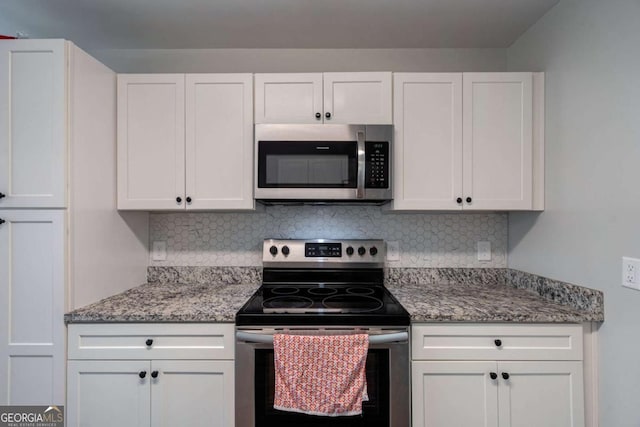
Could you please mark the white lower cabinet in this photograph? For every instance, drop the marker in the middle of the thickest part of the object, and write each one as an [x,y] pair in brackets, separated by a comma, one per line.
[157,388]
[503,382]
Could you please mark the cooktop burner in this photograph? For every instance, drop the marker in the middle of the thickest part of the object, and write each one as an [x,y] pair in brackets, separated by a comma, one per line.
[322,282]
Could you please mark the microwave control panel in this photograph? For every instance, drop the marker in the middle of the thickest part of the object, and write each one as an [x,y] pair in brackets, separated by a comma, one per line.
[377,164]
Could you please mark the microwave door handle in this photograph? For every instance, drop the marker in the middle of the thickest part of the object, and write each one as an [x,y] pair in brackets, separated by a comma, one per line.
[373,339]
[361,164]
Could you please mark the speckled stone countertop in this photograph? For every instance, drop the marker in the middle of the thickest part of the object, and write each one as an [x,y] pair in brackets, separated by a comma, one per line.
[215,294]
[168,302]
[474,302]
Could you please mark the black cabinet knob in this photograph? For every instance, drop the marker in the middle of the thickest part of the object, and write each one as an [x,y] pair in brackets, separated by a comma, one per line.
[493,375]
[468,199]
[2,196]
[498,343]
[327,115]
[505,375]
[273,250]
[285,250]
[154,374]
[142,374]
[188,199]
[179,199]
[459,200]
[373,250]
[350,250]
[318,116]
[361,250]
[149,342]
[2,221]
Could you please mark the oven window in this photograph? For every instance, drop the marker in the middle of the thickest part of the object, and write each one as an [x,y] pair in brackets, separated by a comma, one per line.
[305,164]
[375,412]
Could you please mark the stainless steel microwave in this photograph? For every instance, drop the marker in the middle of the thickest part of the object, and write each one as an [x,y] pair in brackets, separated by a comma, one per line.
[323,163]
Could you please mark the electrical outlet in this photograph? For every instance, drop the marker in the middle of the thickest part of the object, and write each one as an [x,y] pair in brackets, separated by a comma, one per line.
[159,251]
[631,273]
[393,251]
[484,251]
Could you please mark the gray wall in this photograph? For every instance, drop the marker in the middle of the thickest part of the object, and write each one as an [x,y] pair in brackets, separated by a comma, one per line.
[590,50]
[300,60]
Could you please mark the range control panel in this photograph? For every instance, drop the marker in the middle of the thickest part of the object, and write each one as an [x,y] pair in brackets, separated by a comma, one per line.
[347,253]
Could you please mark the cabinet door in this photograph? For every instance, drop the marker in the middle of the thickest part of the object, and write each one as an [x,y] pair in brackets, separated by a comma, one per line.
[151,141]
[454,394]
[32,356]
[33,122]
[193,393]
[288,98]
[219,141]
[428,141]
[497,140]
[537,394]
[106,393]
[358,98]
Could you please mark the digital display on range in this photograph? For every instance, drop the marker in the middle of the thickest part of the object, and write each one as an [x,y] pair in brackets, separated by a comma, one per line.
[323,250]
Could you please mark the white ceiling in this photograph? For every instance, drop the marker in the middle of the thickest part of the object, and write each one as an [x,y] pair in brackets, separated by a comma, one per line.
[178,24]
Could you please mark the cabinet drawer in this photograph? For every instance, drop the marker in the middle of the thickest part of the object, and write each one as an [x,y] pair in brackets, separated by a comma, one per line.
[497,342]
[167,341]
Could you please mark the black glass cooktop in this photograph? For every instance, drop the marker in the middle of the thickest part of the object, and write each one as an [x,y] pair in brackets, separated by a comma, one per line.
[348,300]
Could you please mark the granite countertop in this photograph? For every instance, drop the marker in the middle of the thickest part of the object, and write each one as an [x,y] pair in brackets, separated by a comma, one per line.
[215,294]
[473,302]
[168,302]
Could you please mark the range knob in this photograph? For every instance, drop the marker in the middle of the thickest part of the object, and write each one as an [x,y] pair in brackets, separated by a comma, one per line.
[373,250]
[361,251]
[273,250]
[350,250]
[285,250]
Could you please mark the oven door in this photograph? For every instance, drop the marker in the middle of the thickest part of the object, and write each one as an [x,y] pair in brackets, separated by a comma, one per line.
[387,381]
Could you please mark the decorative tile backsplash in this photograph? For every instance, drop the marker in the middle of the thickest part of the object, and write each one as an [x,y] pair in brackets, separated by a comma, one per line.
[235,239]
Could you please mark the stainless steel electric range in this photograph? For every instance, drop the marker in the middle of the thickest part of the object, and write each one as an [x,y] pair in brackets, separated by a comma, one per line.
[323,286]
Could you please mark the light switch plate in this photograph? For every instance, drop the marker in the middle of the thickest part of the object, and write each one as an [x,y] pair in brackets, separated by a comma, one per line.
[484,251]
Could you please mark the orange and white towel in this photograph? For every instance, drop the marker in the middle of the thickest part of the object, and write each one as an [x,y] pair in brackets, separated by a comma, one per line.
[320,374]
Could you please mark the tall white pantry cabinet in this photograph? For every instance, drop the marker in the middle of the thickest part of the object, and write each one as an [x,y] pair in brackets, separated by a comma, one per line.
[60,233]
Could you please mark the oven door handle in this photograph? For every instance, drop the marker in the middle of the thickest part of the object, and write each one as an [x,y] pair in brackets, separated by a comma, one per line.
[373,339]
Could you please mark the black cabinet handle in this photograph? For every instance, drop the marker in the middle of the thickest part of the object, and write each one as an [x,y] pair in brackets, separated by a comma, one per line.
[459,200]
[179,199]
[2,196]
[149,342]
[318,116]
[154,374]
[468,199]
[505,375]
[188,199]
[2,221]
[142,374]
[327,115]
[498,343]
[493,375]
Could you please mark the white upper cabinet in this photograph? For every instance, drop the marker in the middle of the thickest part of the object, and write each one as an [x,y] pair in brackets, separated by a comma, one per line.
[151,141]
[32,122]
[288,98]
[219,141]
[469,141]
[185,142]
[427,141]
[498,140]
[360,98]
